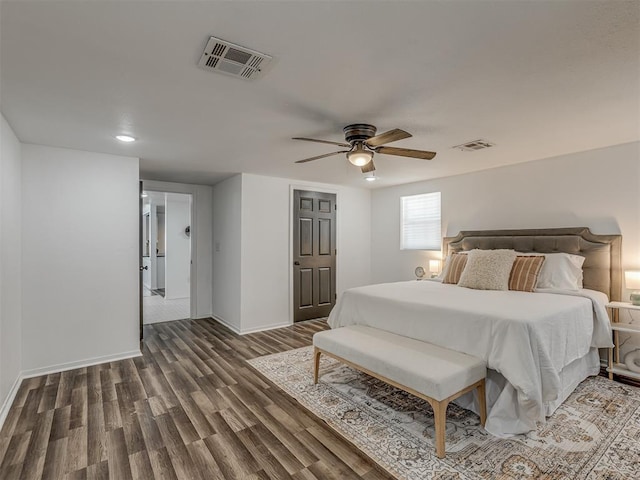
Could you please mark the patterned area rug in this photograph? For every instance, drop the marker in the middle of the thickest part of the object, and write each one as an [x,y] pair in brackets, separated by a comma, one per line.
[595,434]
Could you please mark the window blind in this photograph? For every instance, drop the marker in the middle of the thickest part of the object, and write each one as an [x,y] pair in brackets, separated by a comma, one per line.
[420,222]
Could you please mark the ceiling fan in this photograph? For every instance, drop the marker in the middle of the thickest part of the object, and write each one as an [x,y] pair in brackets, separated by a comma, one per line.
[362,143]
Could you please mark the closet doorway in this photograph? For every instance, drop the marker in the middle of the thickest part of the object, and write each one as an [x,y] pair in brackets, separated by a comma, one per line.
[166,256]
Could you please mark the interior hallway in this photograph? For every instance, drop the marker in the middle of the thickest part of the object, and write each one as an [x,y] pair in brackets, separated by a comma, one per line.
[156,308]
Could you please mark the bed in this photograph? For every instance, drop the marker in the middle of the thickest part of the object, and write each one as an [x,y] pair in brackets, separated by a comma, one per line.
[538,346]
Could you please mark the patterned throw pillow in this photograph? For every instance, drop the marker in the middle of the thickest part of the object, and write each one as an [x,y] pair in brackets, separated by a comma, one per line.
[455,266]
[524,273]
[488,269]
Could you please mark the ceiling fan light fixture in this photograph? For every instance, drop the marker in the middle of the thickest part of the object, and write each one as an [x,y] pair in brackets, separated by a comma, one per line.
[359,156]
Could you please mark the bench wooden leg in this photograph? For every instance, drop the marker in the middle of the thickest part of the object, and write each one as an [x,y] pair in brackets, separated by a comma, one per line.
[482,402]
[316,364]
[440,422]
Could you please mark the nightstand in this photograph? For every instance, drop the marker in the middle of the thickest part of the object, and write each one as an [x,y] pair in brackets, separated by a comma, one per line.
[617,367]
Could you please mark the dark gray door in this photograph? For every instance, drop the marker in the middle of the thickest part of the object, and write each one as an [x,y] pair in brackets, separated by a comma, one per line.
[314,254]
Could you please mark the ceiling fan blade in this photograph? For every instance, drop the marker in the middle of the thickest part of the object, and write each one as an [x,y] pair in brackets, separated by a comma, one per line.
[322,141]
[406,152]
[321,156]
[369,167]
[387,137]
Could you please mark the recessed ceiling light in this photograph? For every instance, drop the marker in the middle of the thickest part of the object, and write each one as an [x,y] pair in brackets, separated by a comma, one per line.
[125,138]
[371,178]
[144,195]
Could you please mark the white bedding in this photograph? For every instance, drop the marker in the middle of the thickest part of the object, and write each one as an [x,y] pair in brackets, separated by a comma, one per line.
[527,337]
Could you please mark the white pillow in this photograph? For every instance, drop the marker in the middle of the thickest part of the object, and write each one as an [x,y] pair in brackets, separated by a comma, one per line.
[562,271]
[488,269]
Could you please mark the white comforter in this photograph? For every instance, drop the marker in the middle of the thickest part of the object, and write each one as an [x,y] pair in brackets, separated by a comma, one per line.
[527,337]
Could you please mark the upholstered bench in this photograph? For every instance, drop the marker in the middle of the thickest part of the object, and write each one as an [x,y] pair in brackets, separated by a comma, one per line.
[435,374]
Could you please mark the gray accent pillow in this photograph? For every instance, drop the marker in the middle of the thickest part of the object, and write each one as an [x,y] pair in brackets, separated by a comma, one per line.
[488,269]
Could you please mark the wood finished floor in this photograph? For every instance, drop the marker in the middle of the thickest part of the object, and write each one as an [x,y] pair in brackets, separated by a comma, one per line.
[189,408]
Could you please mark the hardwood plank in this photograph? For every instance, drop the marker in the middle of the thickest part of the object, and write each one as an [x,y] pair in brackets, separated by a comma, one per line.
[37,449]
[281,434]
[10,426]
[118,457]
[185,428]
[357,461]
[259,451]
[94,388]
[150,433]
[29,410]
[203,461]
[65,388]
[96,435]
[231,455]
[55,459]
[77,454]
[112,418]
[182,464]
[161,465]
[15,454]
[77,475]
[195,416]
[48,399]
[98,471]
[141,466]
[304,474]
[60,426]
[280,452]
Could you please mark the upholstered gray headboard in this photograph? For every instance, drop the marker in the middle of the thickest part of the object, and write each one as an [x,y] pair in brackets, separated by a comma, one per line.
[602,266]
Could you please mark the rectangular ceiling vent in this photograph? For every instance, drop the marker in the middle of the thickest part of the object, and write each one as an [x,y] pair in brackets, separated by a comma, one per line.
[474,145]
[225,57]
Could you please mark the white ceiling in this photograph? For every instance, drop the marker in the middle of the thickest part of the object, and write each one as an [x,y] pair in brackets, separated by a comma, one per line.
[538,78]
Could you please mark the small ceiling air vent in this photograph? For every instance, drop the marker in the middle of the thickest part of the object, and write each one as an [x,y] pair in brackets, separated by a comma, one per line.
[474,145]
[225,57]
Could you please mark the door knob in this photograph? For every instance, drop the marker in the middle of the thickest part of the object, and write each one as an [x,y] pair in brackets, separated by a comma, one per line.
[146,267]
[296,263]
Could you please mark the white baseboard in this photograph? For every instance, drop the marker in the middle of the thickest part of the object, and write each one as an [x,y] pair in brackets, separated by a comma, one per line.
[61,367]
[235,329]
[223,322]
[262,329]
[153,322]
[6,406]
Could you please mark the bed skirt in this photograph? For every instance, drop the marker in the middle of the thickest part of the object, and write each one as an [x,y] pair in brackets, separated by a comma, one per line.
[501,392]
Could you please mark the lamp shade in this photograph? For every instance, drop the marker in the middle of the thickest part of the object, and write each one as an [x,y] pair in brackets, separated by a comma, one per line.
[359,156]
[632,279]
[434,266]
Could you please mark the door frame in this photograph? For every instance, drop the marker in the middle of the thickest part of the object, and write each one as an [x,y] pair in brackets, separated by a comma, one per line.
[320,189]
[192,237]
[140,259]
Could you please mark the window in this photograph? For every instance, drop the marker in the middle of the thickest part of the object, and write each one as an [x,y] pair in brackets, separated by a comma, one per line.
[420,222]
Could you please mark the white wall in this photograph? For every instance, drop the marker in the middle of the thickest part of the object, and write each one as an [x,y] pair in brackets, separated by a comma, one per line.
[599,189]
[178,246]
[202,241]
[10,268]
[227,240]
[79,258]
[266,236]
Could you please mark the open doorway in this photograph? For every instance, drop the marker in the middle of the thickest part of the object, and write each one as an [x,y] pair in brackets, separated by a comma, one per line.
[166,256]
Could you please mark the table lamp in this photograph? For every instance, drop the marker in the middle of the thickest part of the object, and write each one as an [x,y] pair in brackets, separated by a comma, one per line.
[632,280]
[434,267]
